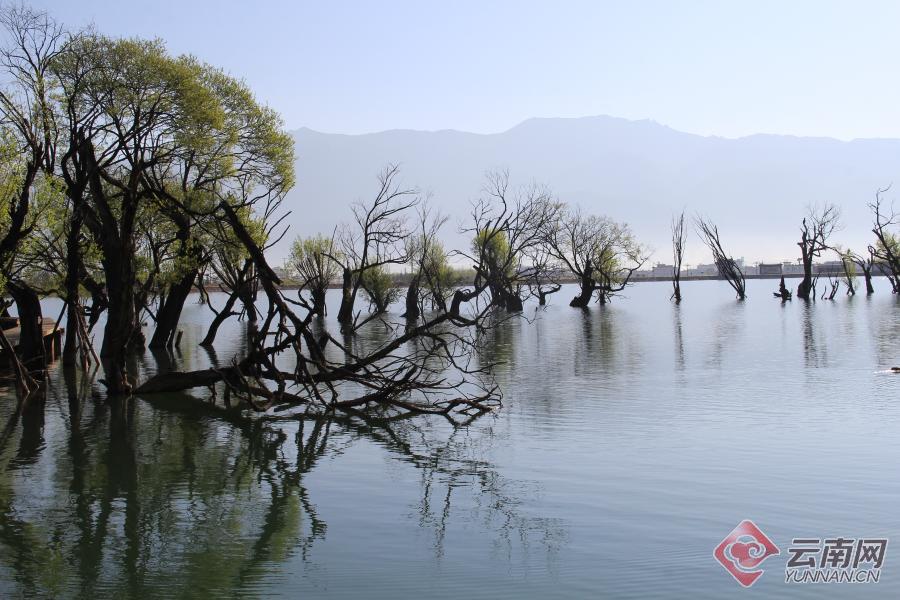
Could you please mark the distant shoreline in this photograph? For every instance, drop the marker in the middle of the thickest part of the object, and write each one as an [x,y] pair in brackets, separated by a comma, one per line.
[567,280]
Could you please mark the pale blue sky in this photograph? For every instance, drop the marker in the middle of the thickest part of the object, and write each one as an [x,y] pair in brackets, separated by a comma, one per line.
[724,68]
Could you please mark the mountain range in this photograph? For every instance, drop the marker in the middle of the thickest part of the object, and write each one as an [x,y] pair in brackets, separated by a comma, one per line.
[756,188]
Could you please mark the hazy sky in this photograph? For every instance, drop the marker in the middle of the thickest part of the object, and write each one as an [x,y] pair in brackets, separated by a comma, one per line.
[718,67]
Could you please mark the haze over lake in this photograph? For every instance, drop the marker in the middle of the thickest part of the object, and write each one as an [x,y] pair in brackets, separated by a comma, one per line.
[755,188]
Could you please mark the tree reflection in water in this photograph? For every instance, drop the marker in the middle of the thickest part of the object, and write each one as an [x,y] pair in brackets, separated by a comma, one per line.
[133,500]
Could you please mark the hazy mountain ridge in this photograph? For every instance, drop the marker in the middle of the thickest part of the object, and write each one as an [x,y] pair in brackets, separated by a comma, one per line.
[755,188]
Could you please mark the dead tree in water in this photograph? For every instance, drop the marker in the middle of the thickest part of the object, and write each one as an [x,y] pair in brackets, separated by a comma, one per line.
[835,285]
[677,256]
[815,231]
[783,292]
[727,266]
[886,250]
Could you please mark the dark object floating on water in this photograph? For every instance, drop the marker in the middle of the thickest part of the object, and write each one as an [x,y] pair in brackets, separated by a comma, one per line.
[895,369]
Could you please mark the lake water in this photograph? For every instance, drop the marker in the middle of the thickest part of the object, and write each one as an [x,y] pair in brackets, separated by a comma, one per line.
[633,438]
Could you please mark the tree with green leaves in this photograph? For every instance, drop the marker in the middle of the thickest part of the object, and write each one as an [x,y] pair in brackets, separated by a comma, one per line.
[169,134]
[601,253]
[886,249]
[375,239]
[27,154]
[506,225]
[311,260]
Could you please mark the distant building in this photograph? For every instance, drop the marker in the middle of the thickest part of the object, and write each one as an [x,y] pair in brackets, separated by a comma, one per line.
[661,270]
[830,267]
[770,269]
[710,270]
[791,268]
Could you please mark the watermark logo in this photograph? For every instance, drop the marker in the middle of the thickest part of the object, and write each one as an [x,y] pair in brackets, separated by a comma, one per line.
[743,551]
[835,560]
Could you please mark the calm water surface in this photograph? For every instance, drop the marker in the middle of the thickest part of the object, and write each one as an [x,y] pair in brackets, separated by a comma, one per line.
[634,437]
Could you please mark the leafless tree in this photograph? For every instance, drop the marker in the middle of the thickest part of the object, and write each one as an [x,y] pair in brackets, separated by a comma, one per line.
[835,285]
[727,266]
[815,231]
[783,292]
[677,255]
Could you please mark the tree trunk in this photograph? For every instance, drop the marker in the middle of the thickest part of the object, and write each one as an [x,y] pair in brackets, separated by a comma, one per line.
[31,339]
[804,290]
[121,320]
[73,305]
[248,299]
[783,292]
[170,312]
[587,290]
[345,314]
[412,300]
[319,307]
[513,302]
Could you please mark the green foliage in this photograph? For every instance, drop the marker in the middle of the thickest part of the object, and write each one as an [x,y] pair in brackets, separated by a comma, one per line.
[379,285]
[310,259]
[890,242]
[493,250]
[439,276]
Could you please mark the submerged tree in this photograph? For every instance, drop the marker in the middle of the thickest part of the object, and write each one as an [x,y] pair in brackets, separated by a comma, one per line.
[375,239]
[865,264]
[728,268]
[783,292]
[849,267]
[601,253]
[886,250]
[431,276]
[380,288]
[310,258]
[232,268]
[27,155]
[677,255]
[815,231]
[169,170]
[505,226]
